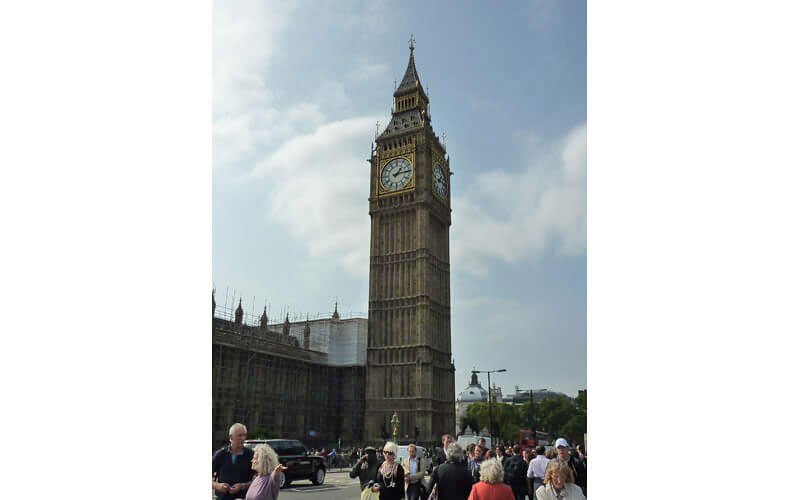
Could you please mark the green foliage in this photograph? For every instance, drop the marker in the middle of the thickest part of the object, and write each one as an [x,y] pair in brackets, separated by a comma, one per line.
[552,414]
[580,401]
[507,420]
[574,429]
[556,416]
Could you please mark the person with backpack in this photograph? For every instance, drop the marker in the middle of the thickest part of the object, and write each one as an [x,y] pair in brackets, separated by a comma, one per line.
[515,471]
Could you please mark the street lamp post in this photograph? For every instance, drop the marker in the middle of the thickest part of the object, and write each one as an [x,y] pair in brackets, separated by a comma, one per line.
[395,425]
[533,412]
[491,419]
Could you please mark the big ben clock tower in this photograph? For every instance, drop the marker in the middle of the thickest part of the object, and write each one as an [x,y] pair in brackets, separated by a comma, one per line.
[409,367]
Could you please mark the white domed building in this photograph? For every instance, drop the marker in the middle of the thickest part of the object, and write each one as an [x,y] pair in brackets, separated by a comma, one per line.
[472,394]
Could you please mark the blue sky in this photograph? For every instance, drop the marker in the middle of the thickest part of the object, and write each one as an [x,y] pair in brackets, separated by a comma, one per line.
[298,88]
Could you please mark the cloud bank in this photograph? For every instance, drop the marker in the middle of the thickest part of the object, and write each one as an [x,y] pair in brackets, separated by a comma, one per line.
[517,215]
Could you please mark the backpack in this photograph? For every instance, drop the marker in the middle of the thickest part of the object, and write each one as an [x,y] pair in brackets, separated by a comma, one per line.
[515,471]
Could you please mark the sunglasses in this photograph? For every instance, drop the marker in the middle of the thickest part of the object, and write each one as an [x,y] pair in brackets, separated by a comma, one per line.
[388,453]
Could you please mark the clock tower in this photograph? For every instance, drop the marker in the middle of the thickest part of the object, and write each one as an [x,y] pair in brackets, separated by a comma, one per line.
[409,366]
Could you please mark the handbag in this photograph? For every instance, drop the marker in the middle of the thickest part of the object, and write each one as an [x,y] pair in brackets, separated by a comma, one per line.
[368,494]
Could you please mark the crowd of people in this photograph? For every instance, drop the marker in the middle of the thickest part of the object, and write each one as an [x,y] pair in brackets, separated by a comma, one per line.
[474,473]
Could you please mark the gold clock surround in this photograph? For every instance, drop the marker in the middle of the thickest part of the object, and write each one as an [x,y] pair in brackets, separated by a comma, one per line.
[407,155]
[437,157]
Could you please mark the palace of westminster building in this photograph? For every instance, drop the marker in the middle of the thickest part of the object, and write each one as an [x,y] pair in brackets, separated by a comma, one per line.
[343,378]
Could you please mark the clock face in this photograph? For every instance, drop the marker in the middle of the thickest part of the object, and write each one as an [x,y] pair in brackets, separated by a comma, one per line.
[439,180]
[396,174]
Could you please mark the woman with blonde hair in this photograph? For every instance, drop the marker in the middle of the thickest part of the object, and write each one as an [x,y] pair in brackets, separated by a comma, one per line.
[559,483]
[390,481]
[491,485]
[267,483]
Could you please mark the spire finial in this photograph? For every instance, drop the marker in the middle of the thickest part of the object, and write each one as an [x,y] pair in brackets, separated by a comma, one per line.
[377,127]
[411,42]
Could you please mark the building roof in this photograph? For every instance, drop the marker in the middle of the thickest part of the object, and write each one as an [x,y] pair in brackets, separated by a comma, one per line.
[403,122]
[410,80]
[474,392]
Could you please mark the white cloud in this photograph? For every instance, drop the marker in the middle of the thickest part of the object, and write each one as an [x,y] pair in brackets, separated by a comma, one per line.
[318,185]
[246,36]
[514,216]
[314,170]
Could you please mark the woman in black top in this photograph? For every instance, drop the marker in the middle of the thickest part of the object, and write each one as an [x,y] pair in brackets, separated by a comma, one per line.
[390,482]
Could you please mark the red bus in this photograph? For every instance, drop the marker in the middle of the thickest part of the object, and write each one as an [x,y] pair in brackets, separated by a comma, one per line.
[527,439]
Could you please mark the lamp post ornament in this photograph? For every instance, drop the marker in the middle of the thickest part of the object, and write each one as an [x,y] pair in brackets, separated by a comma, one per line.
[395,426]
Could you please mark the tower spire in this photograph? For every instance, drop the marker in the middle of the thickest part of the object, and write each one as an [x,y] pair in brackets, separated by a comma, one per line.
[239,313]
[264,319]
[410,80]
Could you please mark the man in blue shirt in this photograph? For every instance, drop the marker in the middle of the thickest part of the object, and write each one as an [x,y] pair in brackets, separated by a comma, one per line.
[231,467]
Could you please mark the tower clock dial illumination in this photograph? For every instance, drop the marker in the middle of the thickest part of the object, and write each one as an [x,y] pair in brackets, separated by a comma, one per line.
[396,174]
[439,180]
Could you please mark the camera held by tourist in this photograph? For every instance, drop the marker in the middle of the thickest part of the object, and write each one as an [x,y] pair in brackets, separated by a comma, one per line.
[366,469]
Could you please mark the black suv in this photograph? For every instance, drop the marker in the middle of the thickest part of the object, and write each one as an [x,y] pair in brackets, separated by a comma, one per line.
[293,455]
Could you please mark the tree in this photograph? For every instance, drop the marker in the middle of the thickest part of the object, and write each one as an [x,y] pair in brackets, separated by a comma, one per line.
[575,428]
[580,401]
[553,414]
[507,419]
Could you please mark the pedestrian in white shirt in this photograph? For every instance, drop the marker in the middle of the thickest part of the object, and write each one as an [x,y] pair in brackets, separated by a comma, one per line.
[536,470]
